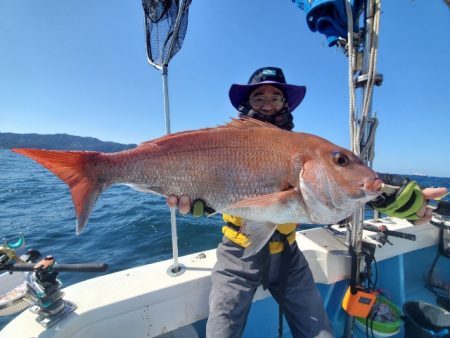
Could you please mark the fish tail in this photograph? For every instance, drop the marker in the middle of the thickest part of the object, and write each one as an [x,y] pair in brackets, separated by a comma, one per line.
[72,168]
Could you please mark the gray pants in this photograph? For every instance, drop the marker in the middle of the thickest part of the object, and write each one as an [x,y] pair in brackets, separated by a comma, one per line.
[235,280]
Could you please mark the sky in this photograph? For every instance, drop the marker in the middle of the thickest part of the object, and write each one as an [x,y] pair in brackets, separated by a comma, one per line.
[80,67]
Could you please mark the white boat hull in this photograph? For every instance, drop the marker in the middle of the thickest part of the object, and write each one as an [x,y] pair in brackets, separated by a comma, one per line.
[146,301]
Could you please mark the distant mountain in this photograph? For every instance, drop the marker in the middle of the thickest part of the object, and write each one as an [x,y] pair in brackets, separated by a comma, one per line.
[59,142]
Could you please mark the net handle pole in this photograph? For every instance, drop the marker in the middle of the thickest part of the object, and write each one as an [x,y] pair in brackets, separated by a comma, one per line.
[175,268]
[173,220]
[165,85]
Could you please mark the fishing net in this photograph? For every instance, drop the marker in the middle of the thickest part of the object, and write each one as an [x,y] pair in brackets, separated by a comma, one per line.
[164,33]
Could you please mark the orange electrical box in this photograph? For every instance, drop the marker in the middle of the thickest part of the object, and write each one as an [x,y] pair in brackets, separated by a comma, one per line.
[358,304]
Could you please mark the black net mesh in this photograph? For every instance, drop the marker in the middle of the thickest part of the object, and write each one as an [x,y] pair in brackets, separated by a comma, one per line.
[160,28]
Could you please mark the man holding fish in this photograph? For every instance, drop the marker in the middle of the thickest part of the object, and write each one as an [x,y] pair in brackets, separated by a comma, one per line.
[279,266]
[264,178]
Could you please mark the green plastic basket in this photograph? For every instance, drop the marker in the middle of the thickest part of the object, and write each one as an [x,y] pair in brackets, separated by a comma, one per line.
[384,329]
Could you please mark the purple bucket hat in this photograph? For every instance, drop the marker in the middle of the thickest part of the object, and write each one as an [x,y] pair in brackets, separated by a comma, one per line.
[267,76]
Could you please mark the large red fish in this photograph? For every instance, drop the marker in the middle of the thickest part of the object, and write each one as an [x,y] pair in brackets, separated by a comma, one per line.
[246,168]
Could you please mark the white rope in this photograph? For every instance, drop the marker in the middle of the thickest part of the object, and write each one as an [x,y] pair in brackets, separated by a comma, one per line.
[351,66]
[367,153]
[357,127]
[372,60]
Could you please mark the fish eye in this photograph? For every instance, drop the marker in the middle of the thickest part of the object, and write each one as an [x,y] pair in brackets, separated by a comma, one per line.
[340,159]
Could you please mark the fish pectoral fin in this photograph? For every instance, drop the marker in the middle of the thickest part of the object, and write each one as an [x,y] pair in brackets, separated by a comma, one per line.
[146,188]
[264,201]
[258,234]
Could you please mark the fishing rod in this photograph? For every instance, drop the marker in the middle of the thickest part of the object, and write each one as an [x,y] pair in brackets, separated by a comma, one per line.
[383,230]
[442,208]
[10,261]
[57,267]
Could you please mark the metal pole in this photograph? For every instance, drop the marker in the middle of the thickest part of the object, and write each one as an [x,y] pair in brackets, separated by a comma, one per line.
[164,72]
[358,216]
[175,268]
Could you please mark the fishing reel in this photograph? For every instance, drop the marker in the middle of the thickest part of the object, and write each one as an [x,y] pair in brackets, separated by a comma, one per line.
[13,287]
[33,282]
[44,291]
[8,250]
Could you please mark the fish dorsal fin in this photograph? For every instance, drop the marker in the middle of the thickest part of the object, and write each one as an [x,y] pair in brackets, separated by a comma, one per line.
[247,122]
[165,137]
[241,123]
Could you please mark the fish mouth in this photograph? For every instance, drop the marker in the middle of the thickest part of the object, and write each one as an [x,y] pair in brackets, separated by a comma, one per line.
[373,187]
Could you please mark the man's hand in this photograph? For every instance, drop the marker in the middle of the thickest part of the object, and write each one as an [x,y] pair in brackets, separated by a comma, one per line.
[426,212]
[183,203]
[405,199]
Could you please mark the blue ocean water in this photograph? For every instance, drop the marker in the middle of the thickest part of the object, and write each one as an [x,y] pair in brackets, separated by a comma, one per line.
[126,228]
